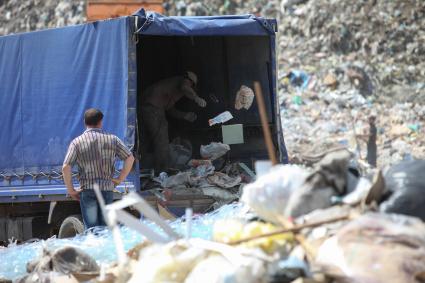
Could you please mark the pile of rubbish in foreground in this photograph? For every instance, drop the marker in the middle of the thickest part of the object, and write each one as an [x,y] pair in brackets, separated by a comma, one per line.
[99,243]
[296,224]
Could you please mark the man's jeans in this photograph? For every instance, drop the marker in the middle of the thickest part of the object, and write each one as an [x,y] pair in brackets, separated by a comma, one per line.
[90,208]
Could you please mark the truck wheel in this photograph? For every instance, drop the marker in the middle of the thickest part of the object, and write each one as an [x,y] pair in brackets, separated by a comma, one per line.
[71,226]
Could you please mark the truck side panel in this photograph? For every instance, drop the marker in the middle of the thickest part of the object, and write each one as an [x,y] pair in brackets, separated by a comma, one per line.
[11,154]
[47,80]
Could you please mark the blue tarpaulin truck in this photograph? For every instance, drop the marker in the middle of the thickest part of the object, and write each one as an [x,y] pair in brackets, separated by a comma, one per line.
[49,78]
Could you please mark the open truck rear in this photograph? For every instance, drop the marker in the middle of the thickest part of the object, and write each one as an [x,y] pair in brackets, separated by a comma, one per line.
[49,78]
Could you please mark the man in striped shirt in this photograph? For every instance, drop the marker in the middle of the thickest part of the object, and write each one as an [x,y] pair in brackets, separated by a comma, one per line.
[95,153]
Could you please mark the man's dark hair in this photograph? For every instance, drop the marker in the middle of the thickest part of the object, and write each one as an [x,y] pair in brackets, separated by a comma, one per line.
[92,117]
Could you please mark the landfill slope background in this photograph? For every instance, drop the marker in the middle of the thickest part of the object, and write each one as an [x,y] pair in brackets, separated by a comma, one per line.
[357,59]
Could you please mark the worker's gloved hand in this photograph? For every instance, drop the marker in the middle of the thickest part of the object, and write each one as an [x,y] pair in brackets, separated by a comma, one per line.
[201,102]
[190,116]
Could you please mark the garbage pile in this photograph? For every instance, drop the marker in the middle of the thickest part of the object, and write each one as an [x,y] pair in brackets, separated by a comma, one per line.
[377,44]
[323,224]
[220,7]
[315,123]
[340,64]
[99,243]
[209,176]
[23,16]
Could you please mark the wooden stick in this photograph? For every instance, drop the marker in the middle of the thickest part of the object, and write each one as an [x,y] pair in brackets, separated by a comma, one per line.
[294,229]
[264,123]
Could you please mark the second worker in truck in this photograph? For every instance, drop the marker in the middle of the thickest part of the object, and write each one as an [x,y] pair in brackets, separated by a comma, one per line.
[158,100]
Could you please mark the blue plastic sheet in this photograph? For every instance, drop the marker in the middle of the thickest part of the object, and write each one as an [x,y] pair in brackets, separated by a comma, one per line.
[101,247]
[157,24]
[11,154]
[48,79]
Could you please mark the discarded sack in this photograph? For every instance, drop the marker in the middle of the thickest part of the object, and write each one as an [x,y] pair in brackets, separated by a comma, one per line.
[180,152]
[328,179]
[65,260]
[376,248]
[291,191]
[406,187]
[214,150]
[269,194]
[180,179]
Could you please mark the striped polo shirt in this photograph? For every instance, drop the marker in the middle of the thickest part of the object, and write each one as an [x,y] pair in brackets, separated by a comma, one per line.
[95,153]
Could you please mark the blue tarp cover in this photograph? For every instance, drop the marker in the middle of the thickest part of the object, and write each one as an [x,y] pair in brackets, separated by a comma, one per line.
[48,79]
[157,24]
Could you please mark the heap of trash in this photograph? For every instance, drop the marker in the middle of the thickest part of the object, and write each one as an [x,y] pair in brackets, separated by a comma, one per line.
[221,7]
[327,223]
[379,43]
[23,16]
[98,242]
[212,176]
[352,93]
[318,121]
[341,65]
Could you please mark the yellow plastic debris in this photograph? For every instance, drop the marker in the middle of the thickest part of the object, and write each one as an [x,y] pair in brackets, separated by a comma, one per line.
[231,230]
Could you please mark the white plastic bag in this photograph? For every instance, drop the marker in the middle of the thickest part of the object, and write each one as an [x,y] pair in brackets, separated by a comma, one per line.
[180,179]
[206,271]
[269,194]
[214,150]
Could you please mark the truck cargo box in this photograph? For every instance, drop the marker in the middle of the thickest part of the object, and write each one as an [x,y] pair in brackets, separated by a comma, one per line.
[49,78]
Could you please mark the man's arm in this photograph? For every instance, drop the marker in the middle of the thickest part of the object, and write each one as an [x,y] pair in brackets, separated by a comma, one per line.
[70,158]
[123,153]
[128,164]
[191,94]
[67,178]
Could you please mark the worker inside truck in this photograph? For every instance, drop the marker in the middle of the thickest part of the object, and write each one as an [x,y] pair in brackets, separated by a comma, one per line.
[184,82]
[158,100]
